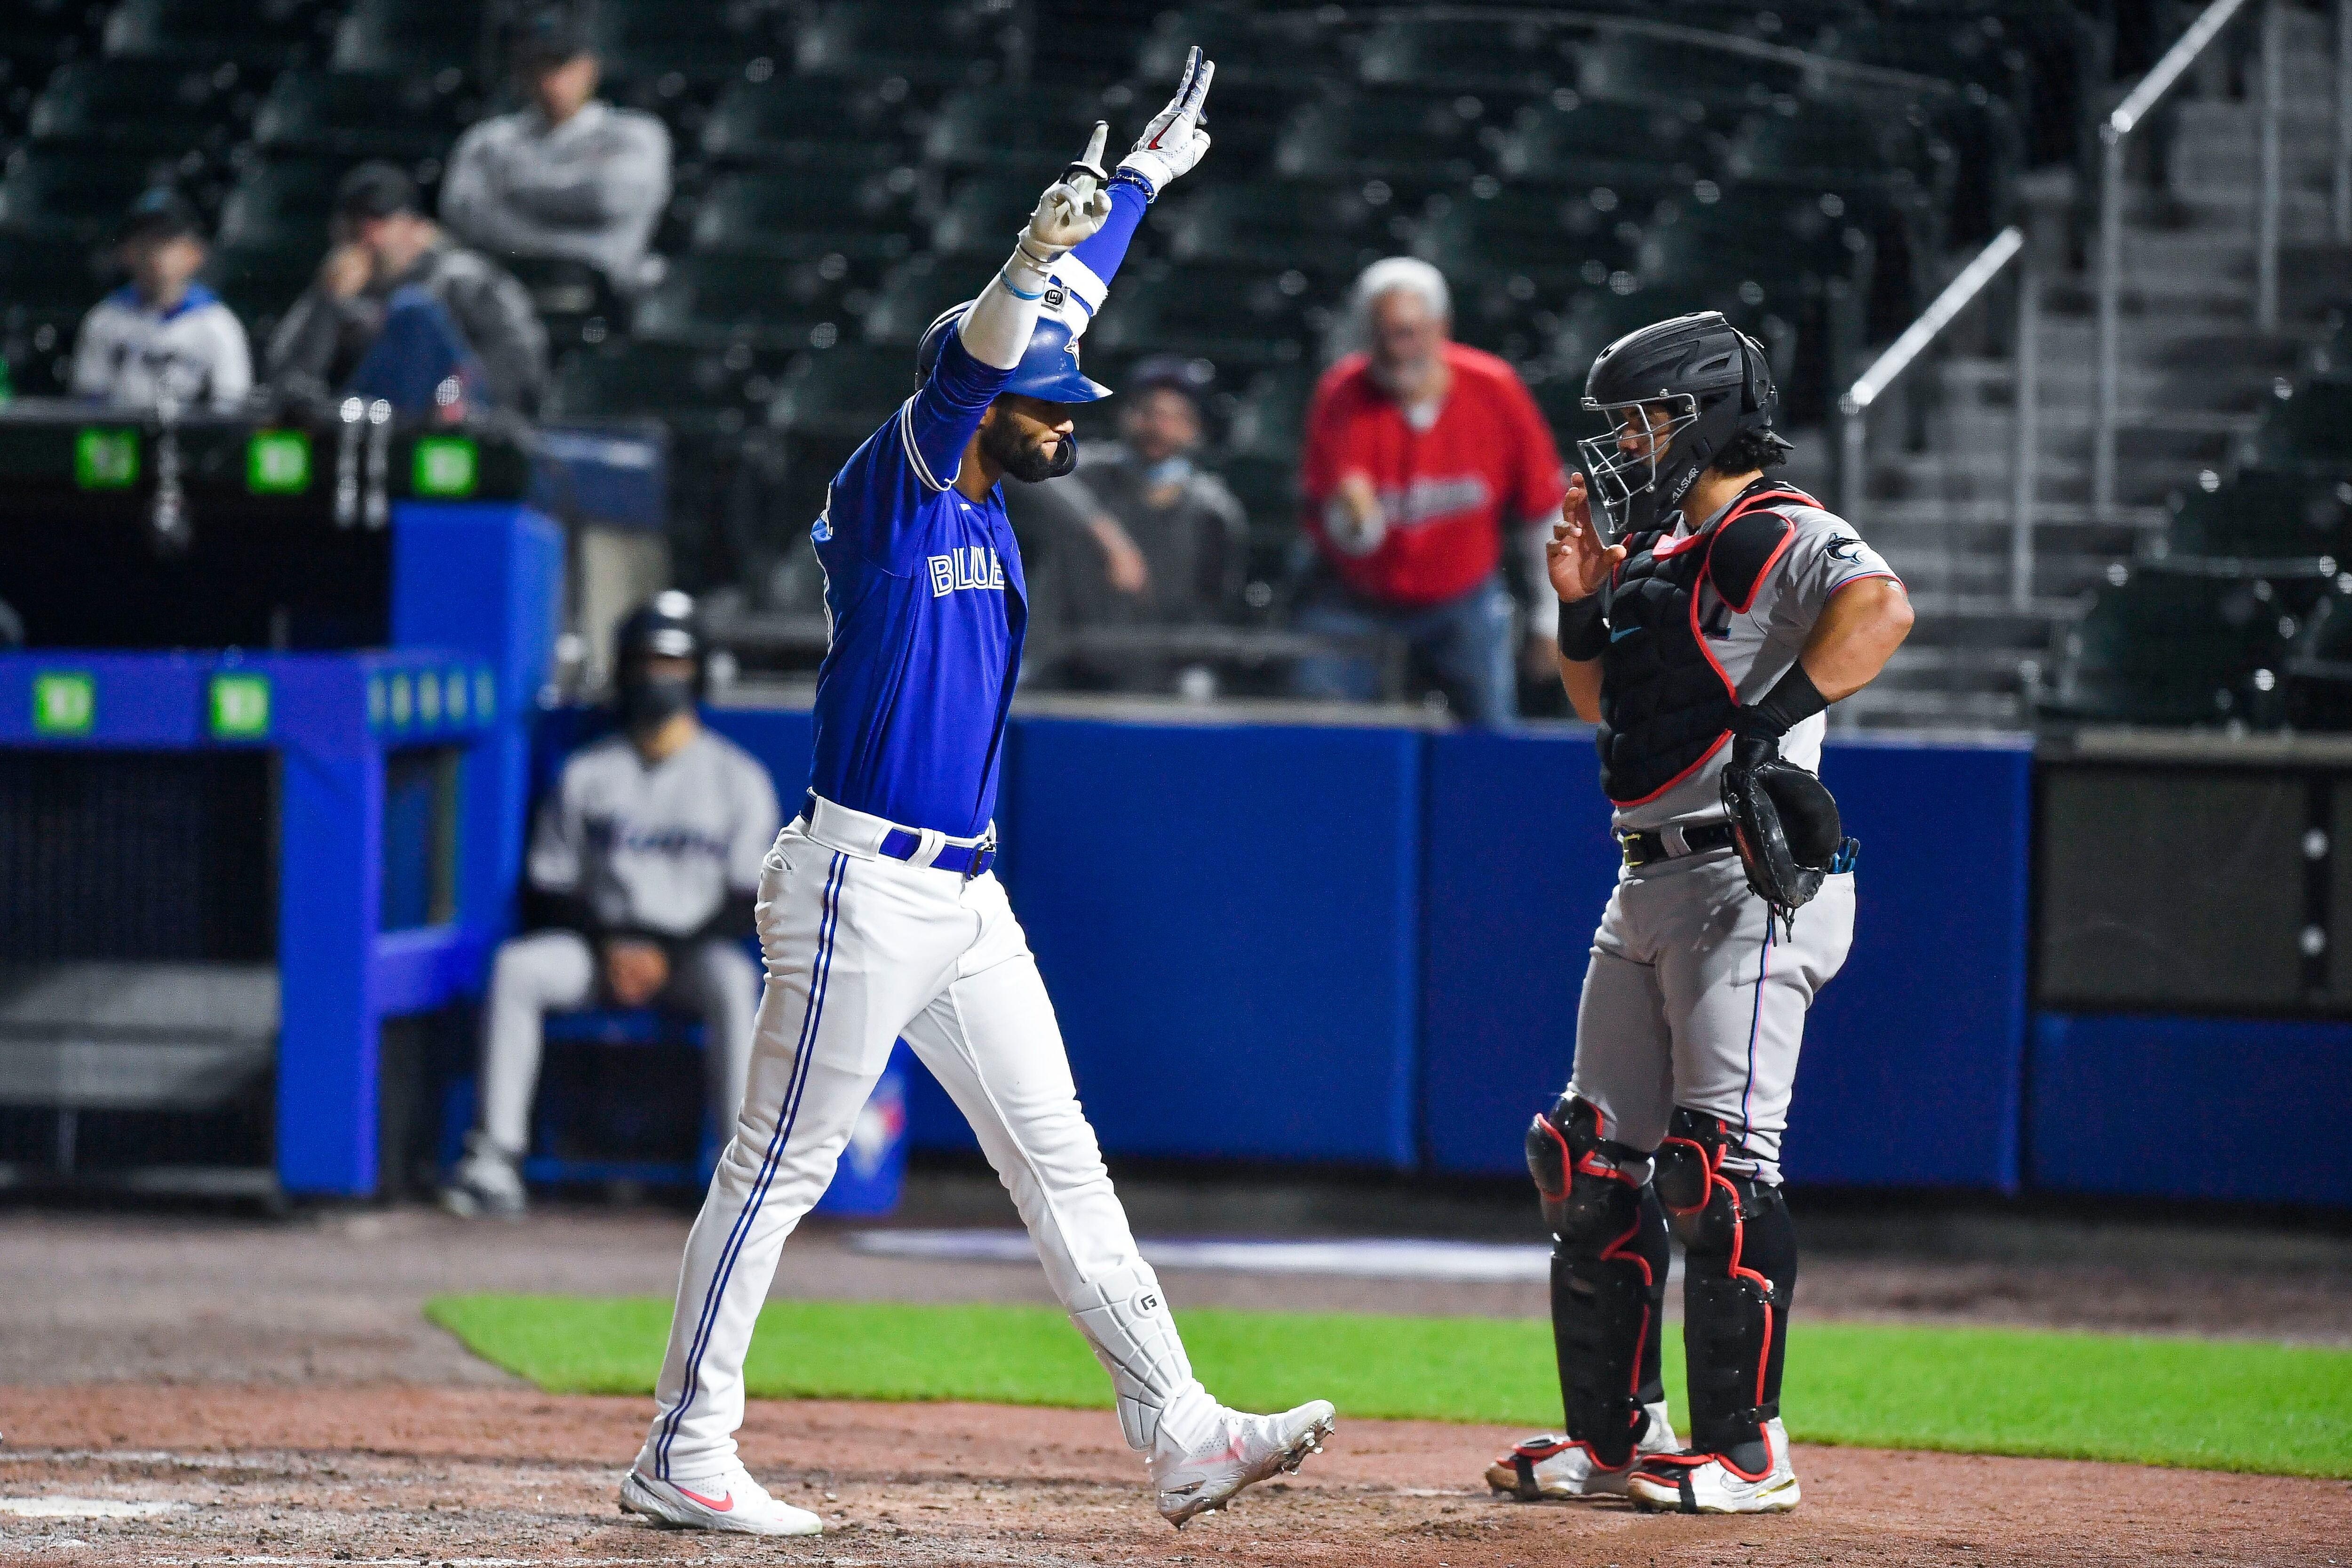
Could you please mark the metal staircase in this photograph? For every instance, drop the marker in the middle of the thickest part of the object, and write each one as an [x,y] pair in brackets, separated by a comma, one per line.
[2192,373]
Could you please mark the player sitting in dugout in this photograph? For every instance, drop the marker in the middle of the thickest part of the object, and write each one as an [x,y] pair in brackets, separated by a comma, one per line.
[639,886]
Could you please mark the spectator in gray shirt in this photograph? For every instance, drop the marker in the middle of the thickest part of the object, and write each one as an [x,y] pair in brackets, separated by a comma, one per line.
[1141,534]
[571,176]
[384,248]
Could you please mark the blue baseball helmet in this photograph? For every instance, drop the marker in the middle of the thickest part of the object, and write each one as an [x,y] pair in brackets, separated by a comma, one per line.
[1048,370]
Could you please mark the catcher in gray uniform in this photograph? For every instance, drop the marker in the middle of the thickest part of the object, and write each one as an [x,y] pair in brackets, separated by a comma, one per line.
[1706,643]
[639,886]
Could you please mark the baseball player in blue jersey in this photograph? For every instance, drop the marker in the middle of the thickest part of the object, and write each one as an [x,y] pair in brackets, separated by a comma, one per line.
[878,910]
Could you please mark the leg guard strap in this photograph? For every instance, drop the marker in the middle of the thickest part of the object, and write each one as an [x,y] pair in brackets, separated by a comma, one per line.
[1739,1282]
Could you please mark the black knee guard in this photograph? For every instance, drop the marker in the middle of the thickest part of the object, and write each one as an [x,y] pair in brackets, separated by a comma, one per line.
[1739,1280]
[1607,1277]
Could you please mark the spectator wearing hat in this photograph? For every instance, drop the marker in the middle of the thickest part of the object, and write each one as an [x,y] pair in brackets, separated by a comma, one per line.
[1145,536]
[401,312]
[162,337]
[1422,456]
[571,176]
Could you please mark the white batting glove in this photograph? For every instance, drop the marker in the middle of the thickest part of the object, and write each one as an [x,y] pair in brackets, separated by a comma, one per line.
[1174,140]
[1072,208]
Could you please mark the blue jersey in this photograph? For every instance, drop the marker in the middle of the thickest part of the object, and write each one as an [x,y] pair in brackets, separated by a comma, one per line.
[924,590]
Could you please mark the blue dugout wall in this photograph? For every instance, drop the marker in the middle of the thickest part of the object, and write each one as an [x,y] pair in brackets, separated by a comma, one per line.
[1364,945]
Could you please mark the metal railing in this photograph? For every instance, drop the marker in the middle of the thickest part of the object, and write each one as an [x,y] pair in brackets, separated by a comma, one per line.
[2127,117]
[1962,291]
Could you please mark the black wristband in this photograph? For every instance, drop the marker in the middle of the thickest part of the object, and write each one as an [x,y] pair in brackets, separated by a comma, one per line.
[1792,699]
[1583,635]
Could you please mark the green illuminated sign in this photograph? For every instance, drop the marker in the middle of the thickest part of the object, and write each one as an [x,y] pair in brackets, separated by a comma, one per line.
[240,707]
[446,466]
[106,459]
[277,462]
[65,702]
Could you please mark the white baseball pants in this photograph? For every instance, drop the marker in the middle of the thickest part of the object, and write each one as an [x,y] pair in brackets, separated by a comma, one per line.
[1695,998]
[863,950]
[552,970]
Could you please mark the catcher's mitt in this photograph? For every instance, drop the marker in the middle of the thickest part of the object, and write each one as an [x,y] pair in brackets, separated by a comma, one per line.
[1785,824]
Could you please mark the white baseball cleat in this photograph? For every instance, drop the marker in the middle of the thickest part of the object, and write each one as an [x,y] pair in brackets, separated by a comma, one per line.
[730,1500]
[484,1184]
[1712,1483]
[1241,1450]
[1549,1467]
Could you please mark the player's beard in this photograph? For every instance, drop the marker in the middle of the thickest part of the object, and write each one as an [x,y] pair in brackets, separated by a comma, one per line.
[1026,460]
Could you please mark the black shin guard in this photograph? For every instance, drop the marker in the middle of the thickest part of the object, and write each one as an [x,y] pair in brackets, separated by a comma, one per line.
[1607,1280]
[1739,1280]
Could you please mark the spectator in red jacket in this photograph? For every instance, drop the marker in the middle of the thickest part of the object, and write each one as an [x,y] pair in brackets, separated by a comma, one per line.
[1421,455]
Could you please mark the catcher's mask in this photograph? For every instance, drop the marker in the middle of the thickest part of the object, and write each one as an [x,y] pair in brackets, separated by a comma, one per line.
[1675,394]
[1785,824]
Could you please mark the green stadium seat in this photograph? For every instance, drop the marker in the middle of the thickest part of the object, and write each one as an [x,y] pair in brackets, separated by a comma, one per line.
[573,300]
[404,115]
[2319,664]
[160,108]
[1505,53]
[2308,427]
[807,119]
[1269,416]
[843,393]
[417,35]
[718,388]
[987,128]
[2178,643]
[808,214]
[1233,315]
[913,295]
[668,45]
[984,211]
[1394,133]
[2263,514]
[45,285]
[1561,235]
[924,41]
[1322,225]
[281,205]
[1570,139]
[1645,68]
[266,36]
[72,194]
[260,283]
[719,299]
[1833,143]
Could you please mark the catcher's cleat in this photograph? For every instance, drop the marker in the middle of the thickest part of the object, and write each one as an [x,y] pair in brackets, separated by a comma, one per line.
[730,1500]
[1240,1449]
[1714,1483]
[1549,1467]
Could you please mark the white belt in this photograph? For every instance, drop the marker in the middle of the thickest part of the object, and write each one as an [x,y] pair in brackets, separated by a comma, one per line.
[836,827]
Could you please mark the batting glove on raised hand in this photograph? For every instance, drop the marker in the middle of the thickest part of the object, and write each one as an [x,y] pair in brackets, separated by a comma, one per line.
[1174,140]
[1072,206]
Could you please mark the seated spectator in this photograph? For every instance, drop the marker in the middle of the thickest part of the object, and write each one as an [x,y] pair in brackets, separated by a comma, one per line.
[642,869]
[1144,536]
[1420,452]
[571,176]
[162,335]
[400,310]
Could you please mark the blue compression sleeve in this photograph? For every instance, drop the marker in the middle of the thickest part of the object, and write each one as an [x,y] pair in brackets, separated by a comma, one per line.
[1088,270]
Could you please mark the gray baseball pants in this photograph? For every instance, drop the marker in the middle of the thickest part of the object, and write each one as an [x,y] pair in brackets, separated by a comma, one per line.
[552,970]
[1693,998]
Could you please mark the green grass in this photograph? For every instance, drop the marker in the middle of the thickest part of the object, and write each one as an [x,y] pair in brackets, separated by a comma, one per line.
[2207,1403]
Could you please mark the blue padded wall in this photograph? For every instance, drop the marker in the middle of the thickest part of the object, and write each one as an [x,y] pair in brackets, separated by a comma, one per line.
[1913,1058]
[2245,1110]
[1226,918]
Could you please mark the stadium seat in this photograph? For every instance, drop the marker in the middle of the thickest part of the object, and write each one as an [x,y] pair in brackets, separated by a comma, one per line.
[2175,644]
[1561,236]
[2265,514]
[45,285]
[1507,53]
[362,114]
[987,128]
[158,107]
[1318,223]
[1835,144]
[669,44]
[719,299]
[846,391]
[72,194]
[1270,47]
[924,41]
[808,120]
[1270,413]
[417,35]
[914,294]
[667,381]
[2319,664]
[573,300]
[807,214]
[2308,427]
[281,205]
[1235,314]
[1393,133]
[260,283]
[984,211]
[266,36]
[1645,68]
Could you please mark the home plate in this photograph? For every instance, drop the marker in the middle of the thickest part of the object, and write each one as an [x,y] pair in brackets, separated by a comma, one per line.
[82,1507]
[1472,1262]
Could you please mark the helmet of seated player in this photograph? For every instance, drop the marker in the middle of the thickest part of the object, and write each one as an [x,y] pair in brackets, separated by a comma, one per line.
[1691,383]
[661,628]
[1048,370]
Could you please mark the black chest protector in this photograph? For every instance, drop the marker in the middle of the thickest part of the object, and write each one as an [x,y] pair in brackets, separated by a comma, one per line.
[1666,705]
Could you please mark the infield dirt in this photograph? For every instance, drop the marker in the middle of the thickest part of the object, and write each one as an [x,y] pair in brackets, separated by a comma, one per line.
[272,1390]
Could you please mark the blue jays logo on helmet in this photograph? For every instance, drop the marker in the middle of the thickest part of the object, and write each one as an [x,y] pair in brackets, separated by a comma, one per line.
[1048,370]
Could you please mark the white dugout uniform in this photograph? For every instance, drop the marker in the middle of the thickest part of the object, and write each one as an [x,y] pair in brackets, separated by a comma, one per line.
[1693,997]
[130,354]
[663,852]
